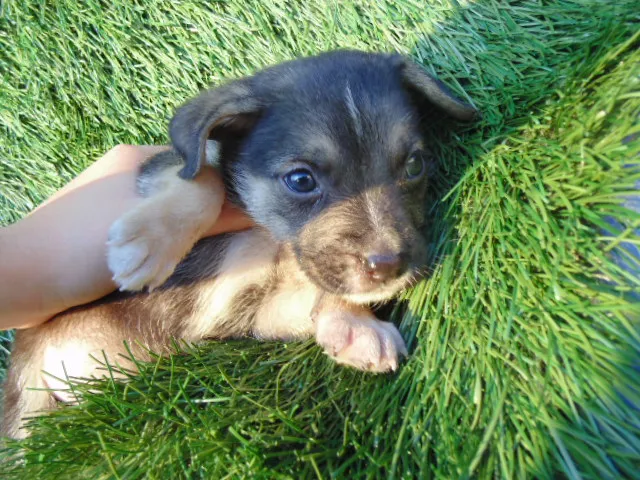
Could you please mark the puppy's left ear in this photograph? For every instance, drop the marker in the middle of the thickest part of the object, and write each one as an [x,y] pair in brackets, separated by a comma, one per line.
[221,114]
[434,91]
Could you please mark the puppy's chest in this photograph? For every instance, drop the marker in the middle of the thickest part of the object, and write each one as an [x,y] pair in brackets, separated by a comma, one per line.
[259,290]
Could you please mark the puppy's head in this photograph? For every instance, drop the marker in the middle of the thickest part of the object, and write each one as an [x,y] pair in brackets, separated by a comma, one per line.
[326,153]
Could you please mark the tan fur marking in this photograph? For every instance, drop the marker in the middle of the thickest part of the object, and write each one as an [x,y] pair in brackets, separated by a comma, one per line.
[30,402]
[248,261]
[286,315]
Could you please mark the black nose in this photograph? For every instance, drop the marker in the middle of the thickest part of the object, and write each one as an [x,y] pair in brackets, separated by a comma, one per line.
[385,266]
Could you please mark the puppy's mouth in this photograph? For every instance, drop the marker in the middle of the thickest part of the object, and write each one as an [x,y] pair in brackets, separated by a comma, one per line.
[358,281]
[381,292]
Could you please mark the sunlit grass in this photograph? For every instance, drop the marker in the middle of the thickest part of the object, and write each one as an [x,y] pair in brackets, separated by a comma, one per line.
[524,339]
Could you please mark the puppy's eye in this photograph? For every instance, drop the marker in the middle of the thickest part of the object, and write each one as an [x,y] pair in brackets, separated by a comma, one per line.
[414,166]
[300,181]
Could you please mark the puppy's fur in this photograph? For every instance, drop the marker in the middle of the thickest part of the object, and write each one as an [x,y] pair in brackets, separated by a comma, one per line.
[346,121]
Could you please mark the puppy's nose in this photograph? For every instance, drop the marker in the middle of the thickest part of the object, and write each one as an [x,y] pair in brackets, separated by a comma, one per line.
[385,266]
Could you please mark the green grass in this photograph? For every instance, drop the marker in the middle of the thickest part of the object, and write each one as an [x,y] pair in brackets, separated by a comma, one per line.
[524,341]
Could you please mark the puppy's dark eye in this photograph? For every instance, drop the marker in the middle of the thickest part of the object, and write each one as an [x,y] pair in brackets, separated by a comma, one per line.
[414,166]
[300,181]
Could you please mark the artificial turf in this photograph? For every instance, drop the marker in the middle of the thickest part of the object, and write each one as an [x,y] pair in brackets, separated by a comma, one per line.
[525,337]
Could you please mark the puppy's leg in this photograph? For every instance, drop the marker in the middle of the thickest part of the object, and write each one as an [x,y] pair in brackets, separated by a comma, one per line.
[72,346]
[23,390]
[147,243]
[352,336]
[21,402]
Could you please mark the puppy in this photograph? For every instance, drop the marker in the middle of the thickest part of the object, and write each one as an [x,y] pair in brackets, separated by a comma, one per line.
[326,155]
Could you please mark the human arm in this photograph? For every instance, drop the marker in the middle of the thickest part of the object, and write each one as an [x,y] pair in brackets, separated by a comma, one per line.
[55,258]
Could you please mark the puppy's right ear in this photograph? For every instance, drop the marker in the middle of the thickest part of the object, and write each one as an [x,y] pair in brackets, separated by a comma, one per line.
[227,110]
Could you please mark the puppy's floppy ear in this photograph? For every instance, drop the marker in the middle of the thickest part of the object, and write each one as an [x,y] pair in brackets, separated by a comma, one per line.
[434,91]
[227,110]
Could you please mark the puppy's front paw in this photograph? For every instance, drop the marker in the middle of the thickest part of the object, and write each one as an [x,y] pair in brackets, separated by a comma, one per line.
[144,248]
[360,340]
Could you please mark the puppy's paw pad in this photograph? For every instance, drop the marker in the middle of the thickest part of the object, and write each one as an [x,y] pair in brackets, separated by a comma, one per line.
[142,251]
[360,341]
